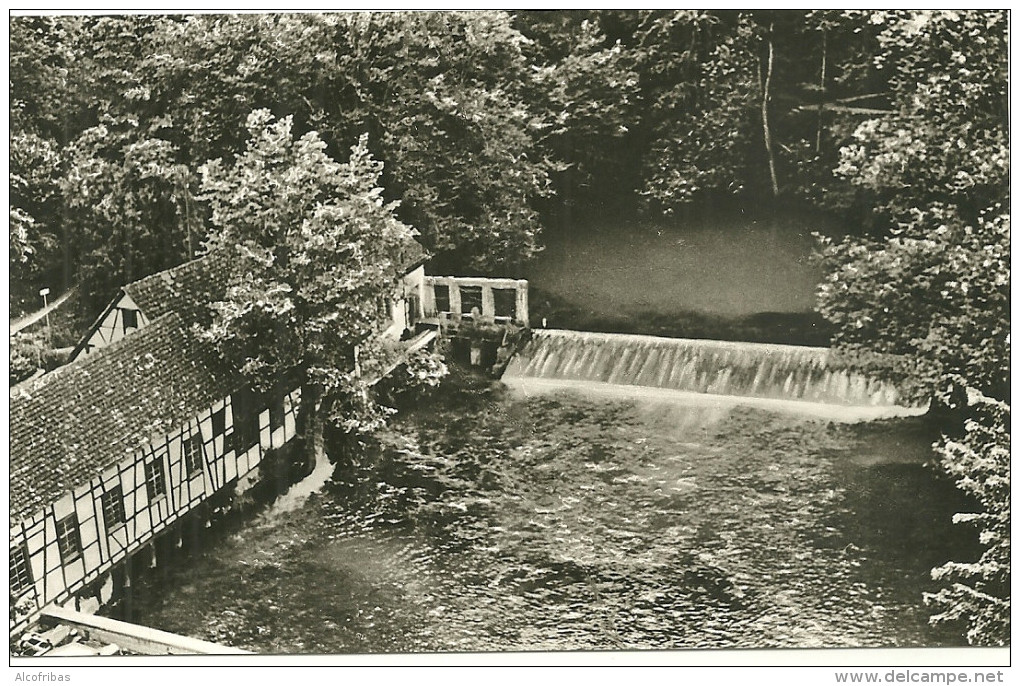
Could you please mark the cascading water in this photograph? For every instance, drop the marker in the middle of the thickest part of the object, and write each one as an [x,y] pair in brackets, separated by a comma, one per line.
[717,368]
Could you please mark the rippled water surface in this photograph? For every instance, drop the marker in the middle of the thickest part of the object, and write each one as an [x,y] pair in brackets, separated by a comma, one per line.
[487,521]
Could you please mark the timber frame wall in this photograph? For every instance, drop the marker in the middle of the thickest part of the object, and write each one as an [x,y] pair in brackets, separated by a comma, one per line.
[79,538]
[68,548]
[120,318]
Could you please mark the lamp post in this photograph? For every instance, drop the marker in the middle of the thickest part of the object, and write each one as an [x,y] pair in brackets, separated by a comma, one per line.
[49,334]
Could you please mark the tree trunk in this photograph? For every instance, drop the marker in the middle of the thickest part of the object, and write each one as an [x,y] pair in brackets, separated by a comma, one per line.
[821,92]
[765,117]
[66,270]
[310,426]
[185,189]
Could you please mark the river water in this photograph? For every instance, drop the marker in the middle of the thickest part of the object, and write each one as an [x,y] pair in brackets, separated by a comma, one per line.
[727,265]
[486,520]
[722,276]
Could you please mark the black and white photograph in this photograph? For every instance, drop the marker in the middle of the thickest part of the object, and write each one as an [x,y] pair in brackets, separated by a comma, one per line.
[564,336]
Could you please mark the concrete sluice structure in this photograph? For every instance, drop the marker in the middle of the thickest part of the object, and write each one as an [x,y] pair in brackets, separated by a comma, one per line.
[782,377]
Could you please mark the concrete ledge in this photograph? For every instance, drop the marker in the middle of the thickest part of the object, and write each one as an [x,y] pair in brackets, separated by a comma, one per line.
[839,413]
[414,345]
[571,334]
[133,637]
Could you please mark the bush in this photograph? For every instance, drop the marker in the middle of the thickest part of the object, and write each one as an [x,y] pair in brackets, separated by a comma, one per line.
[24,357]
[424,370]
[55,357]
[979,592]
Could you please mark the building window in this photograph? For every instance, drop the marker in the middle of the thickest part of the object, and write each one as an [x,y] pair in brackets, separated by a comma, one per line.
[442,296]
[219,422]
[194,454]
[505,301]
[155,479]
[246,420]
[68,539]
[276,412]
[21,572]
[130,319]
[470,298]
[113,508]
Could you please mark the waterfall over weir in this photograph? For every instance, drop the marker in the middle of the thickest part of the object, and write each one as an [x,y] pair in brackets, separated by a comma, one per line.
[781,376]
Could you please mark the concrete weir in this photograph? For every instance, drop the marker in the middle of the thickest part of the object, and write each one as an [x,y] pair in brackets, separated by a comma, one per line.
[781,377]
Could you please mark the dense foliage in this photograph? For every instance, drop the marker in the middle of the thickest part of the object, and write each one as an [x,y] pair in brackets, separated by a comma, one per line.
[129,107]
[490,125]
[314,252]
[978,592]
[124,196]
[927,300]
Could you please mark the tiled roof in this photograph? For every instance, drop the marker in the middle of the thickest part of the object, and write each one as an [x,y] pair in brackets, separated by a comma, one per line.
[71,424]
[185,289]
[188,288]
[411,255]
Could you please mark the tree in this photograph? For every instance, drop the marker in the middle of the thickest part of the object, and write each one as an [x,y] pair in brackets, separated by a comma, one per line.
[927,306]
[37,49]
[754,103]
[925,297]
[710,83]
[315,248]
[126,206]
[699,83]
[71,80]
[441,95]
[585,95]
[34,170]
[978,592]
[444,97]
[932,282]
[946,140]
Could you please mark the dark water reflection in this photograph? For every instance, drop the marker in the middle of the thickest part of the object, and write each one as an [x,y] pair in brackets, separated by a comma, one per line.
[487,522]
[722,276]
[727,265]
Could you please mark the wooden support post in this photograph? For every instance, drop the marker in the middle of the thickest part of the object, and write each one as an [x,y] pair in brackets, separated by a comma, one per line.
[521,305]
[428,297]
[488,302]
[454,300]
[419,302]
[126,595]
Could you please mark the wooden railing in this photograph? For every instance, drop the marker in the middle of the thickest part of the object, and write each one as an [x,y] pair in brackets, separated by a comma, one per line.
[456,297]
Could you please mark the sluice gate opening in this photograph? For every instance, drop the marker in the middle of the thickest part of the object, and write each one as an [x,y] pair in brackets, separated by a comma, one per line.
[792,377]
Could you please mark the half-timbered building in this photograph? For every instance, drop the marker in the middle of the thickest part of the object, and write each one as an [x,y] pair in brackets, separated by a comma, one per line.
[142,427]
